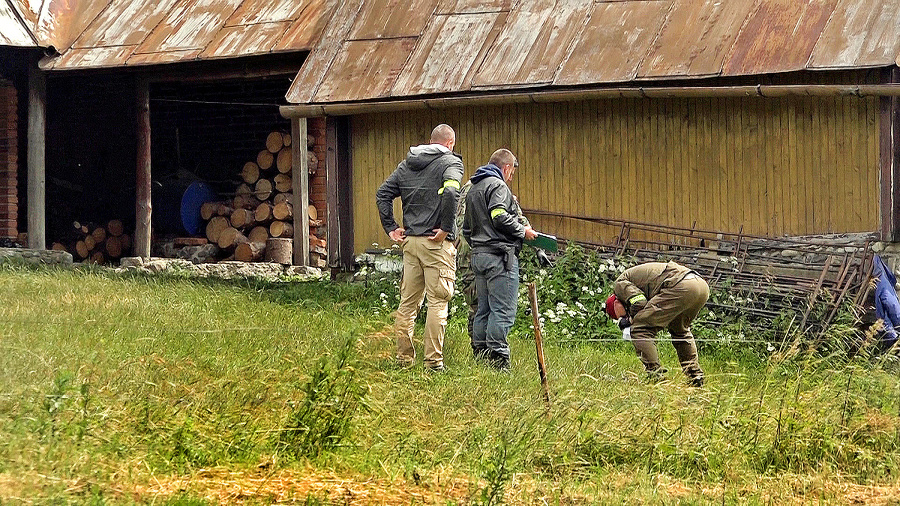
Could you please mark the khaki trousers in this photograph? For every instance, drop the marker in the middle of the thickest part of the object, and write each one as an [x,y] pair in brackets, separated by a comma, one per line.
[674,308]
[429,270]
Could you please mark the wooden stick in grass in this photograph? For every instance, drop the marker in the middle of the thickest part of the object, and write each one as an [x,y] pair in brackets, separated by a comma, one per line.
[538,341]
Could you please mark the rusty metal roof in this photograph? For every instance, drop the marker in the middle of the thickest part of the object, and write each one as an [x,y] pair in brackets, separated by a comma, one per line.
[533,43]
[13,31]
[453,46]
[695,39]
[110,33]
[613,43]
[861,33]
[779,36]
[57,23]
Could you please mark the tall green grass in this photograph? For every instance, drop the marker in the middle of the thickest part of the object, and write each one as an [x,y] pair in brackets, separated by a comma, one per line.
[110,383]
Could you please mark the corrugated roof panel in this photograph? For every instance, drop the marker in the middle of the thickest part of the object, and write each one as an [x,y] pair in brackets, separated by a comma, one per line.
[94,57]
[473,6]
[365,69]
[266,11]
[163,57]
[245,40]
[447,52]
[313,71]
[615,40]
[533,43]
[860,33]
[380,19]
[696,38]
[191,25]
[124,23]
[779,36]
[308,26]
[29,10]
[61,21]
[12,31]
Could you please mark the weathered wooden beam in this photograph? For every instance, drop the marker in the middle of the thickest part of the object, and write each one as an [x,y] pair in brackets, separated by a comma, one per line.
[339,185]
[143,207]
[889,159]
[37,141]
[300,186]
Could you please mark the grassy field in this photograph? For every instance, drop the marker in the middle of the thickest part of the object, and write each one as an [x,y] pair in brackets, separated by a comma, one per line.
[120,389]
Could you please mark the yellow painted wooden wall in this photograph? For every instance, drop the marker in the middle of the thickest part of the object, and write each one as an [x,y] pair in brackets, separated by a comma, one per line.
[775,167]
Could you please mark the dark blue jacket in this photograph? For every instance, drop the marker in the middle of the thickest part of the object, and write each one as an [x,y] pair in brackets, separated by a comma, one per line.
[887,306]
[490,222]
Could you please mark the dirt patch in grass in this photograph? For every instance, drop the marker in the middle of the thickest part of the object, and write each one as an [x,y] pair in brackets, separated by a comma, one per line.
[226,487]
[222,486]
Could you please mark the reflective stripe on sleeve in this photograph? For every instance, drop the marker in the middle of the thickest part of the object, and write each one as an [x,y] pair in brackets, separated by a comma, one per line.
[497,212]
[451,183]
[637,298]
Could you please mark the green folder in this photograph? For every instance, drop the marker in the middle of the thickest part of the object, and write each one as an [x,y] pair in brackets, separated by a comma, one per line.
[544,241]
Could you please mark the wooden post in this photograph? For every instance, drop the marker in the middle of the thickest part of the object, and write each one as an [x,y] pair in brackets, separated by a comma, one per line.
[300,185]
[143,208]
[538,341]
[339,186]
[37,140]
[889,155]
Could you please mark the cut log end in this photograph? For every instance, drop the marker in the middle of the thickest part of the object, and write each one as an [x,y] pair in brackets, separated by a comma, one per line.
[249,251]
[274,142]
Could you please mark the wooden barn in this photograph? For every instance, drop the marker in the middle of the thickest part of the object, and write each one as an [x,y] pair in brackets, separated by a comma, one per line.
[770,117]
[121,105]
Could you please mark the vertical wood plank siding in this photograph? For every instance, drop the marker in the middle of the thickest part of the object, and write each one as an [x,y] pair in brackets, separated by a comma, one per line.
[775,167]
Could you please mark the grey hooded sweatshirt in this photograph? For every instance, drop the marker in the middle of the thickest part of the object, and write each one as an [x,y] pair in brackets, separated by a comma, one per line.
[427,182]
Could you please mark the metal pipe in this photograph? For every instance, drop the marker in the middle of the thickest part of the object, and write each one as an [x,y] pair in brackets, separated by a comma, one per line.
[549,96]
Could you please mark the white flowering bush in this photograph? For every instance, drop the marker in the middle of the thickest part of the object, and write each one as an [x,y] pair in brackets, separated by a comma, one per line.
[570,294]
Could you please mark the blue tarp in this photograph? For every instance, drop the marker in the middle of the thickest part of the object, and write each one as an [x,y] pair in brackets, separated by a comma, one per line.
[887,306]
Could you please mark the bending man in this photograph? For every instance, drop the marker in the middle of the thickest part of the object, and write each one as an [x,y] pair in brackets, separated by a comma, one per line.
[654,296]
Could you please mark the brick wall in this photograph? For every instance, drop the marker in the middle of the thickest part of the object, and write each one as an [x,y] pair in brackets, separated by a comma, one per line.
[9,201]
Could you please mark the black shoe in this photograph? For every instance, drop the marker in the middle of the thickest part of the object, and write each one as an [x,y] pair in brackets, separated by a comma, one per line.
[436,369]
[499,362]
[696,381]
[658,374]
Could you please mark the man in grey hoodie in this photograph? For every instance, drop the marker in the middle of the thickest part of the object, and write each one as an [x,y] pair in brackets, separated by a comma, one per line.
[427,182]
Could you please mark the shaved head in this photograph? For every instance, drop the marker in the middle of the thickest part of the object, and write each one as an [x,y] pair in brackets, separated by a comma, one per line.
[443,134]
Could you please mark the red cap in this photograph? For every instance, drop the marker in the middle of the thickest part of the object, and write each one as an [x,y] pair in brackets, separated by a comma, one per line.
[611,306]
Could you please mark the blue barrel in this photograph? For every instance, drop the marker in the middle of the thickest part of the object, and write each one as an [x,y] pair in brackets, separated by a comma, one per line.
[196,194]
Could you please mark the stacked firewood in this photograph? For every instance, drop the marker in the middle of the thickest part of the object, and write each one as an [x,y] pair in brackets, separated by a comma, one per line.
[98,244]
[258,222]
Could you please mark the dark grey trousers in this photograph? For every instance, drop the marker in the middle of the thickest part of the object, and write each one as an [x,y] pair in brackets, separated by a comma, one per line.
[497,288]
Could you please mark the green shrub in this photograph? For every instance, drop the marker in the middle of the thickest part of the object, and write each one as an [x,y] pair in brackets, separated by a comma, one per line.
[323,419]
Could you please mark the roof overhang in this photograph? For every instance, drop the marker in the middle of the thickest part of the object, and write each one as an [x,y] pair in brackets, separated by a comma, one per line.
[550,96]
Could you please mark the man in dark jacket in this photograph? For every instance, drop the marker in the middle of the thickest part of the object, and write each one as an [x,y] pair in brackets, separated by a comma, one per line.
[427,182]
[495,235]
[465,278]
[654,296]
